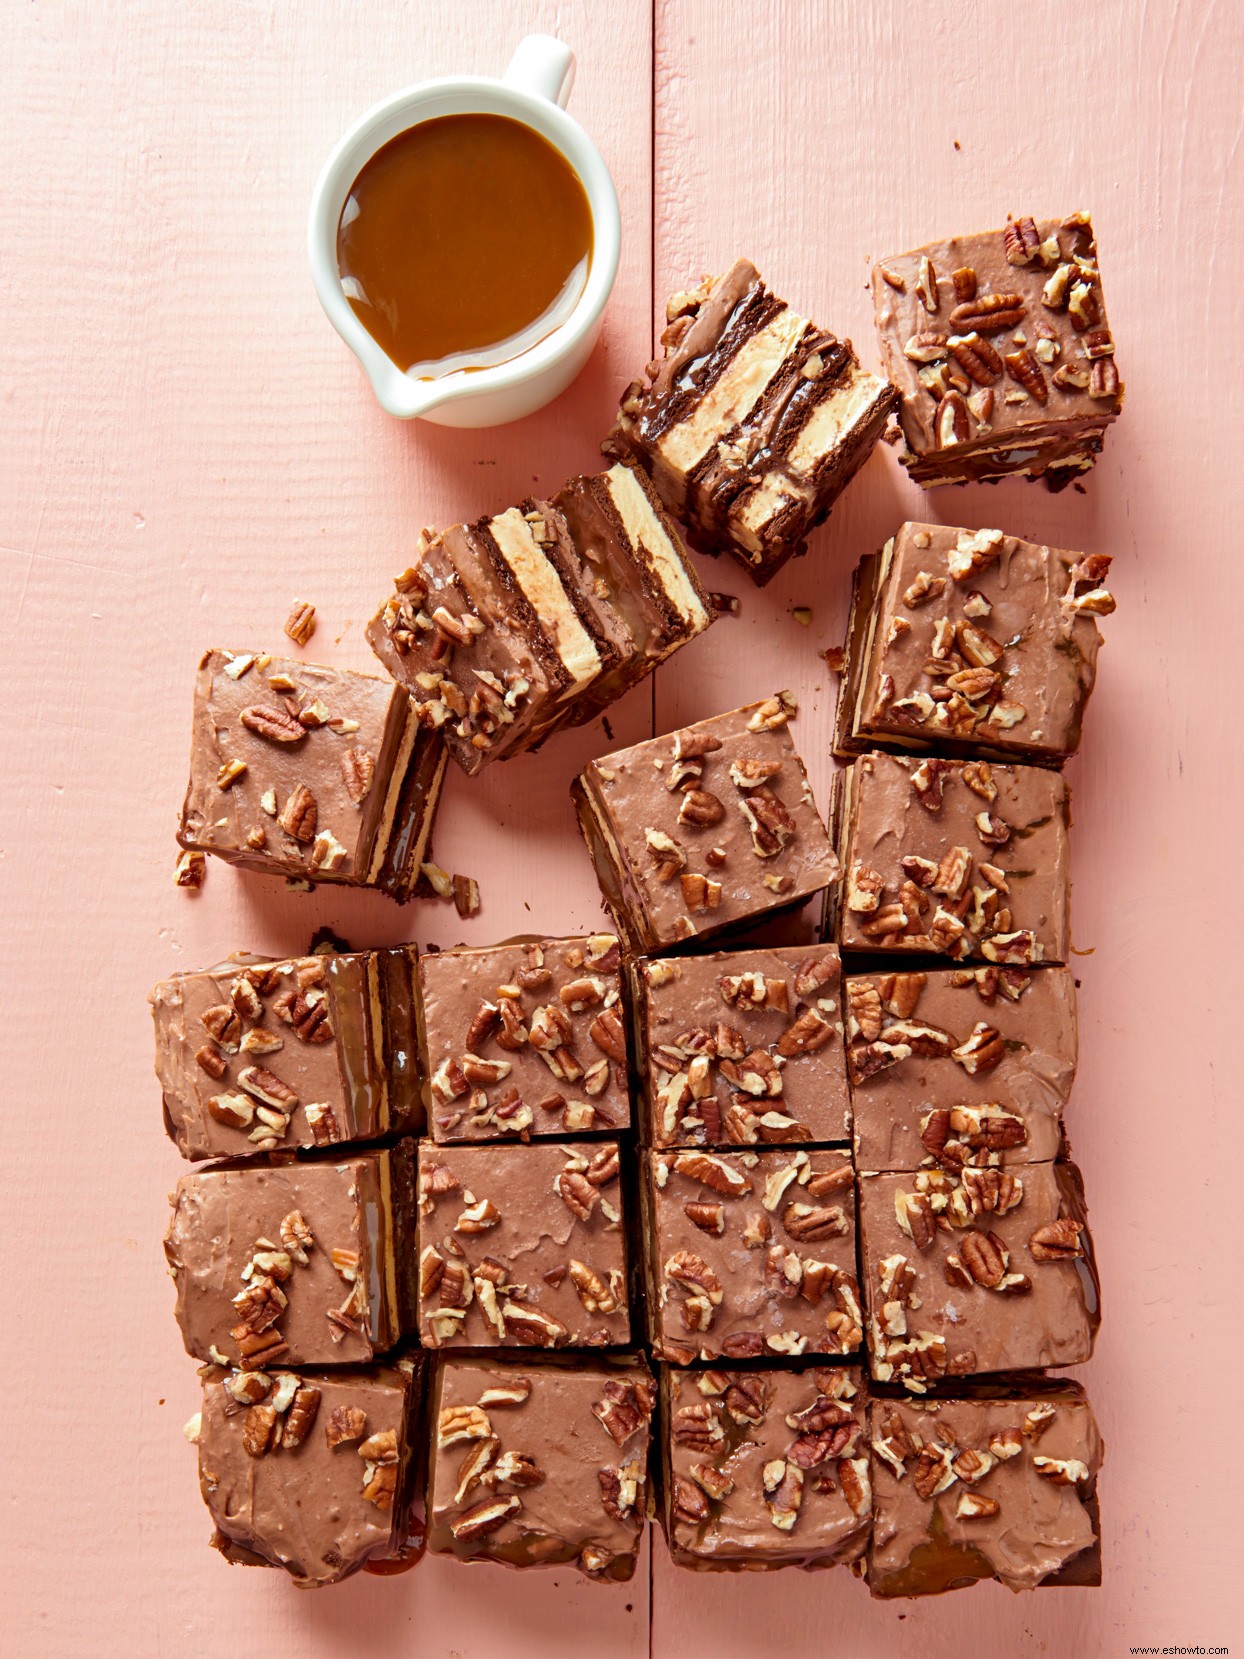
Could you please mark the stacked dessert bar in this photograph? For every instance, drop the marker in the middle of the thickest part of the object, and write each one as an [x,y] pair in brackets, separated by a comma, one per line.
[970,660]
[539,617]
[326,1253]
[316,774]
[477,1236]
[1001,353]
[798,1118]
[524,1244]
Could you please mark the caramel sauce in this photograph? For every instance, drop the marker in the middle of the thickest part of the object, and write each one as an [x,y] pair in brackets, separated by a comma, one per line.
[463,242]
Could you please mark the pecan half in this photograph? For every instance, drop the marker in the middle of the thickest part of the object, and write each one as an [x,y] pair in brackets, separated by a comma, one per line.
[987,314]
[300,814]
[273,723]
[358,769]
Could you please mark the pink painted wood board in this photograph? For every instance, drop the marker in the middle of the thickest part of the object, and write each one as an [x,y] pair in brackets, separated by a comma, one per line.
[186,447]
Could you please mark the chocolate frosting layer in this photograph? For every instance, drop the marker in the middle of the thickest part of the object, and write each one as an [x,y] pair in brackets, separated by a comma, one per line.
[975,643]
[538,1464]
[255,1054]
[978,1488]
[289,1264]
[990,1270]
[522,1246]
[961,858]
[1000,347]
[749,1254]
[311,1471]
[525,1040]
[970,1066]
[742,1048]
[765,1468]
[752,421]
[297,769]
[704,827]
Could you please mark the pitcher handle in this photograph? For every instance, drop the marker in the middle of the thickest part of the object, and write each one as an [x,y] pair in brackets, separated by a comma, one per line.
[544,66]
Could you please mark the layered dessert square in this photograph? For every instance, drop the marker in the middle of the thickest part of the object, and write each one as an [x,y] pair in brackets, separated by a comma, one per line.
[965,1067]
[525,1040]
[764,1467]
[522,1246]
[312,1471]
[751,421]
[255,1055]
[742,1048]
[541,615]
[967,859]
[292,1264]
[976,1271]
[541,1464]
[999,1484]
[704,828]
[1001,350]
[749,1255]
[313,773]
[971,642]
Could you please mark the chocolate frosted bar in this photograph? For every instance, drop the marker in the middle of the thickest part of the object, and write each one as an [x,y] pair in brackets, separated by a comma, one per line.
[254,1055]
[522,1246]
[313,1471]
[749,1254]
[525,1039]
[742,1048]
[541,1464]
[983,1270]
[1000,347]
[296,1263]
[764,1467]
[703,828]
[971,642]
[542,615]
[312,773]
[970,1067]
[752,421]
[961,858]
[1000,1484]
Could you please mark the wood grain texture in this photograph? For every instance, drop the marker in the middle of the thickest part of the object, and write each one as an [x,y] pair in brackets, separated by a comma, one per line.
[815,139]
[185,446]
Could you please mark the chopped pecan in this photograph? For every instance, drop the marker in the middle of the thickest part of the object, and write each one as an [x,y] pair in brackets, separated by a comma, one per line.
[809,1223]
[485,1518]
[810,1032]
[358,769]
[577,1193]
[712,1172]
[700,809]
[864,1008]
[345,1424]
[299,815]
[783,1488]
[977,358]
[665,853]
[258,1427]
[300,1418]
[710,1218]
[1057,1241]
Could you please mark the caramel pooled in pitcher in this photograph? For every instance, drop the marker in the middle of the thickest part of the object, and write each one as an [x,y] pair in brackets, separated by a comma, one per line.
[463,242]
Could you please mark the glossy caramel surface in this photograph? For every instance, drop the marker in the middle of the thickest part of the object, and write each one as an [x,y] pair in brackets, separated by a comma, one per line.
[464,241]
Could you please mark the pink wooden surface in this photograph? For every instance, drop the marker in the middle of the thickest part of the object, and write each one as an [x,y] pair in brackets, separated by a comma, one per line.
[186,447]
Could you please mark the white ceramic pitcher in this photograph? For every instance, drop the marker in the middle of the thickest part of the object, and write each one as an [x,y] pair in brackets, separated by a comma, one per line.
[533,90]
